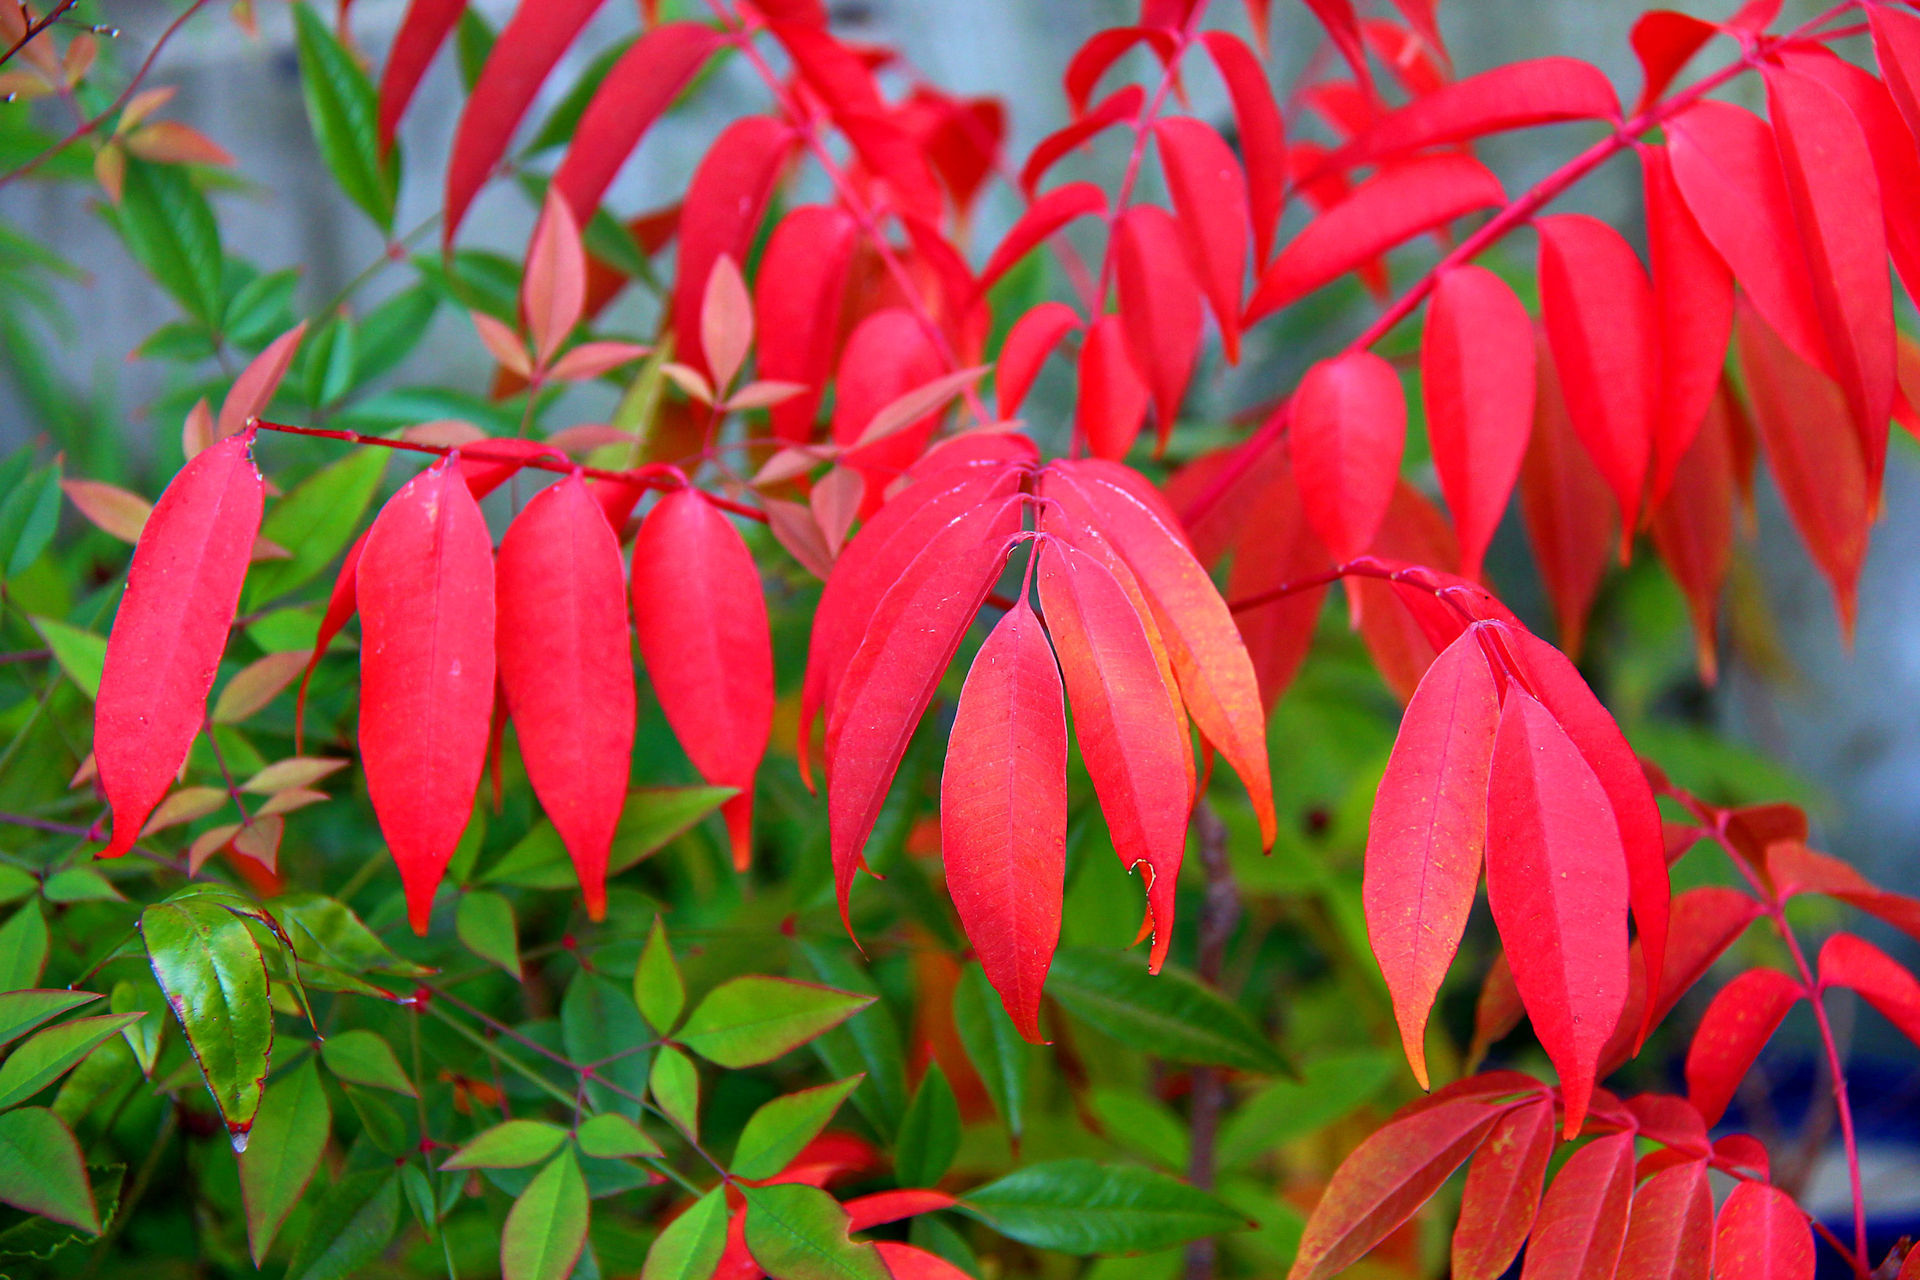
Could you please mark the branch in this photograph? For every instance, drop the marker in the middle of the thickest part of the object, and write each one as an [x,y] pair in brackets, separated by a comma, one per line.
[35,27]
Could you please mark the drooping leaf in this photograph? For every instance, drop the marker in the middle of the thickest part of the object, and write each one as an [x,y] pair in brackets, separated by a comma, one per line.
[1761,1234]
[1693,525]
[1210,195]
[23,1010]
[1033,338]
[41,1169]
[800,1233]
[692,1243]
[1502,1192]
[1518,95]
[210,966]
[747,1021]
[1044,217]
[1084,1207]
[1113,394]
[350,1227]
[289,1138]
[1184,1020]
[360,1056]
[1262,135]
[1736,1026]
[344,113]
[424,28]
[1855,963]
[1670,1230]
[547,1226]
[1693,303]
[1348,427]
[719,214]
[798,293]
[1161,311]
[929,1132]
[994,1046]
[1583,1219]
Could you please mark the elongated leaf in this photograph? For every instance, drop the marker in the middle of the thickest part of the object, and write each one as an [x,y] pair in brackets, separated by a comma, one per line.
[994,1047]
[290,1137]
[1210,195]
[1033,338]
[801,1232]
[567,669]
[747,1021]
[1502,1192]
[720,213]
[215,977]
[1693,525]
[639,88]
[22,1011]
[344,112]
[777,1130]
[1428,834]
[1330,1087]
[702,624]
[1160,310]
[797,301]
[1348,427]
[1516,96]
[1880,980]
[362,1057]
[1113,393]
[692,1243]
[1042,219]
[426,595]
[1670,1231]
[41,1170]
[50,1054]
[260,379]
[170,229]
[1693,300]
[1003,811]
[1583,1220]
[422,31]
[1182,1019]
[1262,135]
[929,1132]
[652,818]
[166,642]
[350,1226]
[1570,513]
[611,1136]
[511,1144]
[1083,1207]
[1761,1234]
[1122,104]
[1735,1027]
[547,1226]
[315,521]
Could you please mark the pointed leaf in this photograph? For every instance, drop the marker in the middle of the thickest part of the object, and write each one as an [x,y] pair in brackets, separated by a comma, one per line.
[1670,1231]
[547,1227]
[1693,300]
[1880,980]
[1761,1234]
[993,1046]
[657,988]
[1518,95]
[798,294]
[777,1131]
[1033,338]
[424,28]
[1113,394]
[1583,1220]
[1502,1192]
[719,215]
[290,1137]
[361,1057]
[257,382]
[1184,1020]
[1349,425]
[1210,195]
[1044,217]
[691,1244]
[1735,1027]
[800,1233]
[350,1227]
[210,966]
[511,1144]
[1083,1207]
[747,1021]
[554,289]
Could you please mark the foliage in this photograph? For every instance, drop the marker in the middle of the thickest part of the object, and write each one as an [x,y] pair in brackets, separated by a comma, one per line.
[337,917]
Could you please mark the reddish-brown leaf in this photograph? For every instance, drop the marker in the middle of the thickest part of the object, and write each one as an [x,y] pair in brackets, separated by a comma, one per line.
[426,597]
[1349,426]
[1160,308]
[1705,922]
[1518,95]
[1477,368]
[1693,525]
[1030,341]
[636,92]
[425,28]
[1568,510]
[1557,883]
[701,620]
[1042,219]
[1822,473]
[1736,1026]
[1727,166]
[1583,1220]
[1428,834]
[529,45]
[720,214]
[1837,203]
[1262,135]
[1003,811]
[1125,719]
[1395,206]
[567,667]
[1123,104]
[554,290]
[1793,868]
[1387,1179]
[1210,194]
[1693,300]
[1762,1235]
[1665,41]
[1880,980]
[1112,404]
[1502,1193]
[257,382]
[164,650]
[797,299]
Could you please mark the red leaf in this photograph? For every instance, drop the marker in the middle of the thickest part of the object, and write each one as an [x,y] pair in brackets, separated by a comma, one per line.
[1210,194]
[1693,525]
[1029,342]
[1821,471]
[1112,403]
[888,355]
[1428,834]
[1123,104]
[1837,202]
[1597,306]
[1262,136]
[1160,308]
[1400,203]
[905,1262]
[701,620]
[1706,921]
[1337,16]
[1728,168]
[868,1211]
[425,28]
[1405,628]
[1762,1235]
[1387,1179]
[1003,811]
[1477,368]
[164,650]
[1896,45]
[1216,676]
[1557,883]
[425,588]
[893,674]
[1104,48]
[567,668]
[1665,41]
[1276,548]
[1854,963]
[1793,868]
[797,299]
[1693,299]
[1583,1220]
[1519,95]
[1349,426]
[636,92]
[257,382]
[1502,1194]
[1569,513]
[1735,1027]
[1125,720]
[720,214]
[1042,219]
[529,46]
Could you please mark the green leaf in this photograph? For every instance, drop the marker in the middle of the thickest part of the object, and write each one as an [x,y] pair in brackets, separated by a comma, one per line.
[80,884]
[325,930]
[54,1052]
[869,1040]
[390,331]
[657,988]
[994,1047]
[215,977]
[779,1129]
[1083,1207]
[614,1137]
[80,654]
[23,948]
[1141,1123]
[169,228]
[330,361]
[16,884]
[1170,1014]
[511,1144]
[42,1237]
[315,522]
[289,1137]
[599,1025]
[690,1247]
[362,1057]
[350,1228]
[143,1037]
[22,1011]
[485,925]
[472,43]
[800,1233]
[261,310]
[28,516]
[755,1019]
[653,818]
[547,1226]
[41,1170]
[1330,1087]
[929,1134]
[675,1087]
[342,108]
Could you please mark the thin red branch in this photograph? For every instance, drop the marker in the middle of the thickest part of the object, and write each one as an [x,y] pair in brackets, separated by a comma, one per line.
[35,27]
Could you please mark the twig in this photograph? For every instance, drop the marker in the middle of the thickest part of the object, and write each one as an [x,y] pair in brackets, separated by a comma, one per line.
[35,27]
